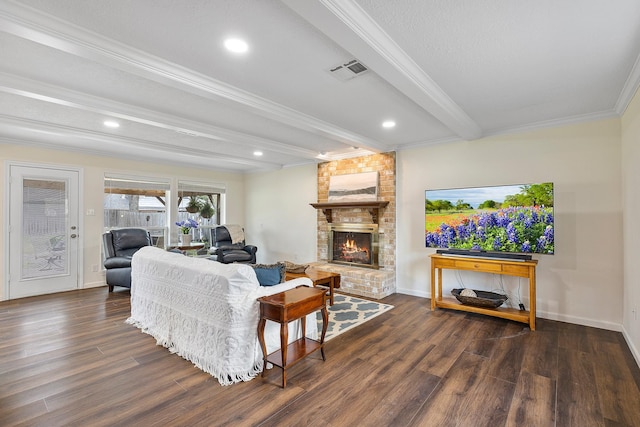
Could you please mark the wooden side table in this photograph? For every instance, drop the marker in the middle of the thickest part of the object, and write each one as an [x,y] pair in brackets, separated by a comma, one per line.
[319,278]
[285,307]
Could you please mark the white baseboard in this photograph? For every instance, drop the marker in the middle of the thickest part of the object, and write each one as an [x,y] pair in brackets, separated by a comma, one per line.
[414,293]
[634,350]
[611,326]
[88,285]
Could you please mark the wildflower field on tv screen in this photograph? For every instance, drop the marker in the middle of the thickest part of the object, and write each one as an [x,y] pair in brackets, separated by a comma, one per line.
[503,219]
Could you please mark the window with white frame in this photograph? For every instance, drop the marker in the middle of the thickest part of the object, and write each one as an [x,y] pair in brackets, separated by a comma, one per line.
[137,202]
[202,202]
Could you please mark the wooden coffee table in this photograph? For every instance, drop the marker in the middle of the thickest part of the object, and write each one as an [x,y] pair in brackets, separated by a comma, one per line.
[285,307]
[319,278]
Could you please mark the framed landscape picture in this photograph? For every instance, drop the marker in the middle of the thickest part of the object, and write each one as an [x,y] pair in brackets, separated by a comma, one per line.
[353,187]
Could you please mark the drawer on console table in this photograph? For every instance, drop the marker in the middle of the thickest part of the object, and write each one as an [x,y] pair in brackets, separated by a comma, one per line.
[517,270]
[444,262]
[486,267]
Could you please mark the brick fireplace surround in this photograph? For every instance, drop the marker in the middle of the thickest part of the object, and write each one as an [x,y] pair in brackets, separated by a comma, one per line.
[362,281]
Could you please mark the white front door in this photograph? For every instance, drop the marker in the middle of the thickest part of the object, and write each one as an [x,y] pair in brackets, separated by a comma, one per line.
[43,230]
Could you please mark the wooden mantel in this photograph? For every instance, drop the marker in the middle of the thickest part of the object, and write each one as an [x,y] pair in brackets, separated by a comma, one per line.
[372,206]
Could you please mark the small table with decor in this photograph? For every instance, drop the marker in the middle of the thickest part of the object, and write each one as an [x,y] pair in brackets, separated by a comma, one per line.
[285,307]
[189,250]
[319,278]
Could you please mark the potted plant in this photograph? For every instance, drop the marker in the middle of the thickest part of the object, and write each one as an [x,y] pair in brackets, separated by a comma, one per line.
[194,205]
[185,230]
[207,210]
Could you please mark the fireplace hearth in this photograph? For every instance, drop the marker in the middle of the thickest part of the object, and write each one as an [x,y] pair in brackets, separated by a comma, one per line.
[354,244]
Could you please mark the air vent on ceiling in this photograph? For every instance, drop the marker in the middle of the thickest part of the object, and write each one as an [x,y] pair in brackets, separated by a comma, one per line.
[348,70]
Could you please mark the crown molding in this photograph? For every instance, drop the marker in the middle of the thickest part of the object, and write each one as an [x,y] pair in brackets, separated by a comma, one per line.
[554,123]
[45,29]
[438,141]
[76,139]
[386,58]
[532,127]
[347,155]
[629,89]
[170,162]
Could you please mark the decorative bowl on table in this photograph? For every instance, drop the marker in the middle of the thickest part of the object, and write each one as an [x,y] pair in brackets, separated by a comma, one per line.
[479,298]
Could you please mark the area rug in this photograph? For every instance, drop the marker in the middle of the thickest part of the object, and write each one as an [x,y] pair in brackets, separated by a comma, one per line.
[347,312]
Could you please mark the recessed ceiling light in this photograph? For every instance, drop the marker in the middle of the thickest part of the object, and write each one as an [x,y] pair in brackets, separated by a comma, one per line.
[388,124]
[257,153]
[111,124]
[236,45]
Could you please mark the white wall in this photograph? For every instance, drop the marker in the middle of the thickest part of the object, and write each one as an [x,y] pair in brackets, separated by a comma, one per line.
[631,203]
[582,283]
[279,219]
[94,168]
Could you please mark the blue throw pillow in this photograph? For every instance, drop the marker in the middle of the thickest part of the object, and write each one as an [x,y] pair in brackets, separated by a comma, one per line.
[270,274]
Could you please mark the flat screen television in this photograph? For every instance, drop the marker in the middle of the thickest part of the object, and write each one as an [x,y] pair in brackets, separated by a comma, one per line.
[505,219]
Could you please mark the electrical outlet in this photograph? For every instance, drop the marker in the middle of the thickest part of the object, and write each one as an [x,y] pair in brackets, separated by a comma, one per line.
[91,212]
[94,268]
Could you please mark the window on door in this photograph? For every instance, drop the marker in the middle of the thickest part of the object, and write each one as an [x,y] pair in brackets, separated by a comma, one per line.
[44,226]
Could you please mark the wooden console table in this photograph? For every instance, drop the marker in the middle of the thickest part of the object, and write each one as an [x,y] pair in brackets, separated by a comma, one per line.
[285,307]
[485,265]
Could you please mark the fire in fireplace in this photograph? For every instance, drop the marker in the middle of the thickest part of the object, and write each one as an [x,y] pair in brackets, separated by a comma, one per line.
[354,244]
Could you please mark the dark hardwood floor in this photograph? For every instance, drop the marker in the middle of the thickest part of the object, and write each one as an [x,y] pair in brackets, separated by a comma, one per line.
[69,359]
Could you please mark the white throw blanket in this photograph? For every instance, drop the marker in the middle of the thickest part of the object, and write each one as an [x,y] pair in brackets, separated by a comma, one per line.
[236,232]
[205,311]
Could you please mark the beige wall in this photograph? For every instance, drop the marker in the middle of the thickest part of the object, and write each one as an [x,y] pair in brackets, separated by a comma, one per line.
[582,282]
[279,219]
[94,168]
[631,203]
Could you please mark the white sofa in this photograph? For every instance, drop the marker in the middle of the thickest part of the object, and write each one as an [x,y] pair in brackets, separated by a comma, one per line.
[206,312]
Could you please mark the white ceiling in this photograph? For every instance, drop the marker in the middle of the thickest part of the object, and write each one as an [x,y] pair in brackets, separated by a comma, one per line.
[444,70]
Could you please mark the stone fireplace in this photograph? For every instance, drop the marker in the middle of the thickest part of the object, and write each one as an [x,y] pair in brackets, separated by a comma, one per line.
[368,280]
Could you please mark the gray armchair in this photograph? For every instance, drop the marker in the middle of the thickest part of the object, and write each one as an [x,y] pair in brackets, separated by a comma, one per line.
[227,251]
[119,247]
